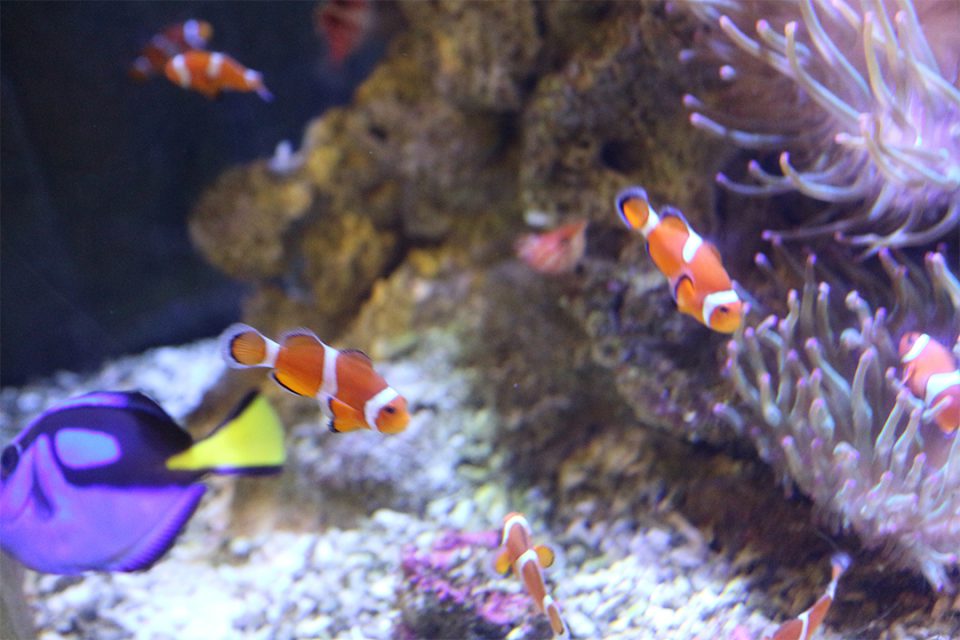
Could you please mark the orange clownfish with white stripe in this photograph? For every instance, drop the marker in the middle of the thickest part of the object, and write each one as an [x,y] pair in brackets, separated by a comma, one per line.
[210,72]
[528,562]
[351,394]
[805,625]
[930,371]
[698,281]
[175,39]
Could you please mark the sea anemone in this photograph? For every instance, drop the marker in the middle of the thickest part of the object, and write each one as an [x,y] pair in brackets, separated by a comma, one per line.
[828,410]
[861,99]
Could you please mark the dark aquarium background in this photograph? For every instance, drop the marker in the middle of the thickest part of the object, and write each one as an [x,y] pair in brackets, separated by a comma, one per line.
[99,172]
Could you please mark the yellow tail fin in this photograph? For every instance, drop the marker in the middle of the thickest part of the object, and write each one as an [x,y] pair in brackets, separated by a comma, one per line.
[250,440]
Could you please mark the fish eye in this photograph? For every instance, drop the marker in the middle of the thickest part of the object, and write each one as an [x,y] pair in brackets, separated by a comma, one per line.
[724,309]
[390,409]
[9,459]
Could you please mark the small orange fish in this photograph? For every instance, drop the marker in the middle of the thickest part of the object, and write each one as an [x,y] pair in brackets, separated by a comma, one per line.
[344,24]
[554,252]
[175,39]
[528,562]
[352,395]
[210,72]
[930,371]
[803,626]
[700,284]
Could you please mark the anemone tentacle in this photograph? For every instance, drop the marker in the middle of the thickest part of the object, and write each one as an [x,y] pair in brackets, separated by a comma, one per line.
[821,395]
[880,130]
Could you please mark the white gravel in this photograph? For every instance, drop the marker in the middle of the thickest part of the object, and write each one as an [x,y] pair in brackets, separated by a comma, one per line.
[343,581]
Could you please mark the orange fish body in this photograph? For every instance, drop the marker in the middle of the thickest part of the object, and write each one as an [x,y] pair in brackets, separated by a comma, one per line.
[528,561]
[805,625]
[930,371]
[175,39]
[699,283]
[554,252]
[210,72]
[351,394]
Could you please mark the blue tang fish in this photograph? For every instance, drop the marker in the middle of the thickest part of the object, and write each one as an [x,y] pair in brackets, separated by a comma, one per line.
[106,481]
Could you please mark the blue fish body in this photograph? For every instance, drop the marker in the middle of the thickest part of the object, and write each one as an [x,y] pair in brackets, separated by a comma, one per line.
[108,480]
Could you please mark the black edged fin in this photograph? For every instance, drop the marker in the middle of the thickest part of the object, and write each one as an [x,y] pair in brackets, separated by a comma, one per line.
[356,353]
[133,401]
[299,331]
[273,374]
[332,418]
[668,211]
[237,410]
[629,194]
[680,281]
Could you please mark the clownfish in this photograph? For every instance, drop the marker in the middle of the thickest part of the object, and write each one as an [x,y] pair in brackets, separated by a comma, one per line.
[930,371]
[108,480]
[554,252]
[528,561]
[210,72]
[344,24]
[352,395]
[699,283]
[175,39]
[805,625]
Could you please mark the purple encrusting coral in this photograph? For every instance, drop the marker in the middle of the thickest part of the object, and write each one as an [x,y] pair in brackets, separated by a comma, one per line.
[445,576]
[860,97]
[828,410]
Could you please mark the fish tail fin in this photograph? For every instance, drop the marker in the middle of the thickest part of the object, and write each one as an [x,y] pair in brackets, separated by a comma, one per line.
[264,93]
[140,70]
[635,210]
[249,441]
[242,346]
[839,564]
[552,611]
[545,555]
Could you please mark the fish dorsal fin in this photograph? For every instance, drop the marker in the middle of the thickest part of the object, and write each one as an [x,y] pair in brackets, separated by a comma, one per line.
[358,355]
[502,563]
[545,555]
[300,339]
[251,439]
[673,219]
[124,414]
[297,333]
[133,401]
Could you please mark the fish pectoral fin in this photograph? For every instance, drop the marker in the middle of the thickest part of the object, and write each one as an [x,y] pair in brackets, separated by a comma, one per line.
[545,555]
[249,442]
[345,417]
[502,563]
[685,294]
